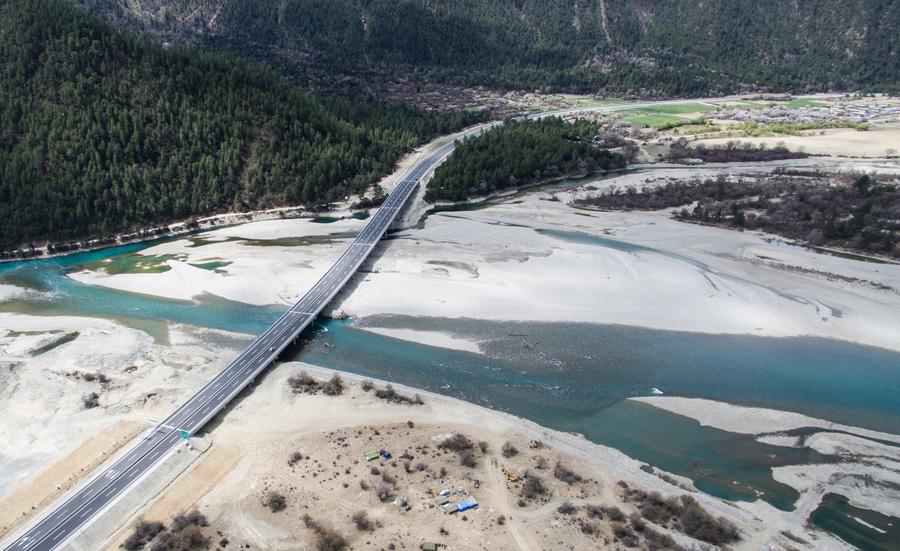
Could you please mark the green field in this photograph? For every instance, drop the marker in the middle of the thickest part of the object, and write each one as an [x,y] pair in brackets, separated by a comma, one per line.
[637,119]
[663,114]
[675,109]
[805,103]
[744,105]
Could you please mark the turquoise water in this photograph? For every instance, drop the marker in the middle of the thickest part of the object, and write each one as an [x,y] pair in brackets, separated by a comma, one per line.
[60,295]
[575,377]
[571,377]
[836,515]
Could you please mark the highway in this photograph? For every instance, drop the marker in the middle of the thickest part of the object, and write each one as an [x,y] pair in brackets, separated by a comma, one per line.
[80,507]
[99,493]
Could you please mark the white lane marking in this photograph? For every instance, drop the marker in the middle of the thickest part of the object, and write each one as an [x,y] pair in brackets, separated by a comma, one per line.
[324,288]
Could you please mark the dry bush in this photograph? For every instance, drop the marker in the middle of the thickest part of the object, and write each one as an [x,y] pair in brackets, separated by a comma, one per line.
[625,535]
[367,385]
[362,522]
[699,524]
[588,527]
[566,508]
[508,450]
[456,443]
[483,446]
[303,383]
[330,540]
[637,522]
[593,511]
[295,458]
[656,541]
[467,459]
[142,534]
[90,401]
[191,518]
[384,492]
[613,513]
[188,538]
[334,386]
[276,502]
[388,393]
[533,487]
[567,475]
[327,539]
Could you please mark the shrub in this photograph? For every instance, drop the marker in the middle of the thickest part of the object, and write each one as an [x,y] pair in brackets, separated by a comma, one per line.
[188,538]
[637,522]
[90,401]
[467,459]
[367,385]
[276,502]
[533,487]
[508,450]
[593,511]
[295,458]
[303,382]
[501,520]
[334,386]
[565,474]
[362,522]
[588,527]
[384,492]
[391,395]
[192,518]
[699,524]
[657,540]
[614,513]
[658,509]
[566,508]
[142,534]
[329,540]
[483,446]
[456,443]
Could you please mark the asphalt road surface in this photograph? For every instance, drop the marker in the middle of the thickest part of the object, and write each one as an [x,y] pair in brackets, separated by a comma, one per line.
[99,493]
[81,507]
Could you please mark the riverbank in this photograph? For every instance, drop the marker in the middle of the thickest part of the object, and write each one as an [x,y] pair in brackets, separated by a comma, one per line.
[630,268]
[865,474]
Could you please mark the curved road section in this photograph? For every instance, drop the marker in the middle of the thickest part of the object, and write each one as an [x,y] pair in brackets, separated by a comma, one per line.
[79,508]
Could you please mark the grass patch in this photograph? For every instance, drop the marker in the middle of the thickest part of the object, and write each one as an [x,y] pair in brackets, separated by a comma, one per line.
[655,121]
[805,103]
[744,105]
[676,109]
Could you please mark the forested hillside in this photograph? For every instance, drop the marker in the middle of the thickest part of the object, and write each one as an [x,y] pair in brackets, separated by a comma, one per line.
[519,153]
[101,131]
[640,47]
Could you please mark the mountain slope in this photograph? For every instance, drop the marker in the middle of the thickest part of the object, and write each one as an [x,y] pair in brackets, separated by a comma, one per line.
[648,47]
[101,131]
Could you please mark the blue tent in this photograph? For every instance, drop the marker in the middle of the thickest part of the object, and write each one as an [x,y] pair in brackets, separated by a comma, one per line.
[466,504]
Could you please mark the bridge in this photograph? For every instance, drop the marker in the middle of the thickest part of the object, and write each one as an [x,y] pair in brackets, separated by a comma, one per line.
[75,511]
[78,509]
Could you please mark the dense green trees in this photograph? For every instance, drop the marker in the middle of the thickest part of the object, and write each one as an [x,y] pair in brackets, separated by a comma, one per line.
[518,153]
[652,47]
[101,131]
